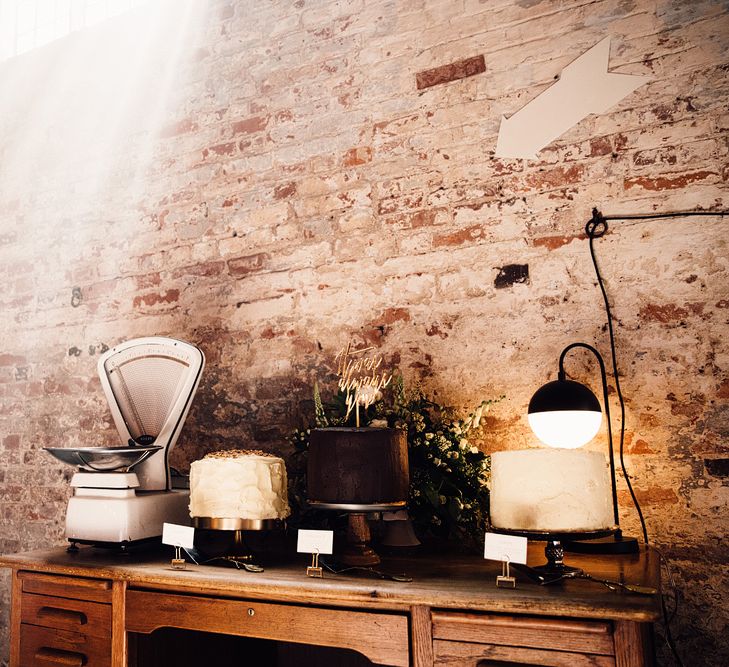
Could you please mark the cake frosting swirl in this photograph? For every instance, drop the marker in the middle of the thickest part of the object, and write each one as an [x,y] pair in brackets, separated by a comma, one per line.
[241,484]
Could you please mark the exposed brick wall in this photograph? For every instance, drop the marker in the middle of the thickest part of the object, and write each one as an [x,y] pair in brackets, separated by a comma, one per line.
[288,187]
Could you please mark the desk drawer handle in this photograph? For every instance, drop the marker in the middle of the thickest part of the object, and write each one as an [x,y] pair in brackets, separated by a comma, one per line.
[251,611]
[58,657]
[68,615]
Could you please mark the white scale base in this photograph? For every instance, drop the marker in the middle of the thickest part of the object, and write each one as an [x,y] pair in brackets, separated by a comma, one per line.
[113,514]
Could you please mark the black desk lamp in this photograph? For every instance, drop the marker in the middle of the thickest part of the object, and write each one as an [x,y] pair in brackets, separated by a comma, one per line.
[566,414]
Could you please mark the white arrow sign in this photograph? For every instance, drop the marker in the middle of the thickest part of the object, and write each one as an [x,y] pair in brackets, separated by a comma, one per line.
[584,87]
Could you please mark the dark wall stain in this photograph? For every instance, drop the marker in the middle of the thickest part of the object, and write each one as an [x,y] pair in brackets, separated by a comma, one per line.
[510,274]
[75,297]
[717,467]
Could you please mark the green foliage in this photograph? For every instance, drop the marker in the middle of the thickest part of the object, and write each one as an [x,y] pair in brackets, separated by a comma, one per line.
[448,474]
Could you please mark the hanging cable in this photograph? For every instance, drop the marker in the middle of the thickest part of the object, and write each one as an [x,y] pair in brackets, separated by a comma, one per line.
[596,228]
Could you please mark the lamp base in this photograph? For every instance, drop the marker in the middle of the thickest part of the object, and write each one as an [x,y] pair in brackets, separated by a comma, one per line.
[555,568]
[613,544]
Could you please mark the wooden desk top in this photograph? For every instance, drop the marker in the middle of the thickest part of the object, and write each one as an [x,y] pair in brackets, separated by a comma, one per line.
[457,582]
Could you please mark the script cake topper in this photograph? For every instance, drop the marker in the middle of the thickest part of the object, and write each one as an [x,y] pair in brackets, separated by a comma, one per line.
[360,378]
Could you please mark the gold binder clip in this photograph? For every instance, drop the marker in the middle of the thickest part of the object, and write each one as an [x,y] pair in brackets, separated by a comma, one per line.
[178,562]
[505,580]
[315,570]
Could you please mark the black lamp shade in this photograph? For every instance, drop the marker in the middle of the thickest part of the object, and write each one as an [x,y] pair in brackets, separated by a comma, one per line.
[560,395]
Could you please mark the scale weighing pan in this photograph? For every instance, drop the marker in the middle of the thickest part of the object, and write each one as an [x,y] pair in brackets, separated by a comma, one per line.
[103,459]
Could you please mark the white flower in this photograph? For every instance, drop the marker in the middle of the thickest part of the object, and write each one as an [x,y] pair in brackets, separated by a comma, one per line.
[428,436]
[367,395]
[474,450]
[437,461]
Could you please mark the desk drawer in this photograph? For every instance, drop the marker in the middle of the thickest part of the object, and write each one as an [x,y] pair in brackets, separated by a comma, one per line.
[48,647]
[467,654]
[383,638]
[91,618]
[78,588]
[527,631]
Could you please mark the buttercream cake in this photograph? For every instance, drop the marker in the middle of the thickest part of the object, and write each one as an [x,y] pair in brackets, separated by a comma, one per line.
[239,484]
[550,490]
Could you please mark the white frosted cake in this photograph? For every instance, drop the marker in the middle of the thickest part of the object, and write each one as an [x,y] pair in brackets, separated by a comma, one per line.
[550,490]
[239,484]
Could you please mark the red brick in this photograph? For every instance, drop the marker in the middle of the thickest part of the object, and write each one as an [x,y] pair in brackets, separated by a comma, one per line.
[154,298]
[357,156]
[662,313]
[205,269]
[467,235]
[435,330]
[227,148]
[284,190]
[640,446]
[242,266]
[555,177]
[667,182]
[392,315]
[451,72]
[554,242]
[11,442]
[600,146]
[651,496]
[12,360]
[250,125]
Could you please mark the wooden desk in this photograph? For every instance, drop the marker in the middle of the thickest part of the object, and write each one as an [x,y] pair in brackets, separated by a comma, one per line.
[82,608]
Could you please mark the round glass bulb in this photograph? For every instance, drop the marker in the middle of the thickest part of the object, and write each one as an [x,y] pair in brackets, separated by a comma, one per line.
[567,429]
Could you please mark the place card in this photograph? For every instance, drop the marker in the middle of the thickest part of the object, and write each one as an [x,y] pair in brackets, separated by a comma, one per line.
[178,536]
[315,541]
[511,548]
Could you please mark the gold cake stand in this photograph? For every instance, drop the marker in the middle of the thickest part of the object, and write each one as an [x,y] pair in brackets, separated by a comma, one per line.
[242,556]
[228,523]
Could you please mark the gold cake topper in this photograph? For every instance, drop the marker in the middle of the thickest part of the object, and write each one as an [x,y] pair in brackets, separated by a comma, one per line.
[360,377]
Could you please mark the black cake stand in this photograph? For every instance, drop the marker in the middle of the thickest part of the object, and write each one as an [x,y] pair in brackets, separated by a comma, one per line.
[554,550]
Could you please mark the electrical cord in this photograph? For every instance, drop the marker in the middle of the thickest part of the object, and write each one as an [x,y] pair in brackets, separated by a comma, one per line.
[596,228]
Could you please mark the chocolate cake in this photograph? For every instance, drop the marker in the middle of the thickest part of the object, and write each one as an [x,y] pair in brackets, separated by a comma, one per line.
[358,466]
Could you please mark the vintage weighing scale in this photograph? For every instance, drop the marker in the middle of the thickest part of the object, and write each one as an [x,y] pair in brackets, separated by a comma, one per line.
[123,495]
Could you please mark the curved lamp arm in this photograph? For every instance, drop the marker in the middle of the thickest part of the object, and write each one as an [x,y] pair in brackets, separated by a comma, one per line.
[563,376]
